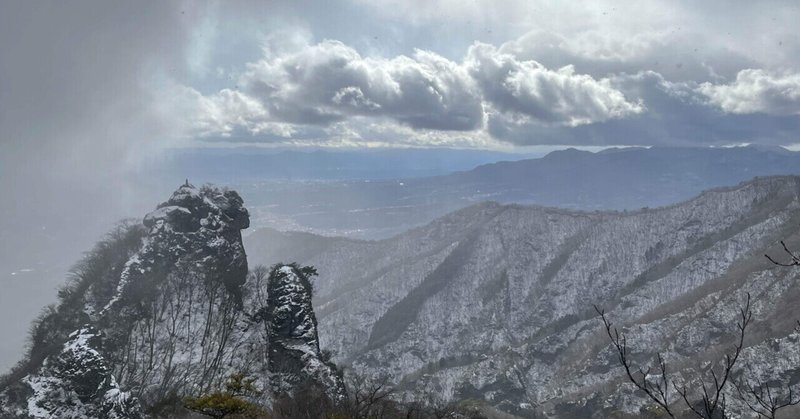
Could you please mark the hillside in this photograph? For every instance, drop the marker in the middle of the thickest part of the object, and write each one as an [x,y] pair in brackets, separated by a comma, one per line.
[495,301]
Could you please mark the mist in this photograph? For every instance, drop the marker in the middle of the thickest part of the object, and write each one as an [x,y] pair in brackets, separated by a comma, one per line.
[376,126]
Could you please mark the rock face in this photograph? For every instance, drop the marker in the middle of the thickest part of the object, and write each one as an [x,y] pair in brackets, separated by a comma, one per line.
[195,229]
[494,302]
[157,309]
[77,382]
[163,310]
[180,297]
[295,359]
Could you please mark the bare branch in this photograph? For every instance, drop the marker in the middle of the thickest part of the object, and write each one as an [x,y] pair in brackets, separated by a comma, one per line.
[656,391]
[794,260]
[713,403]
[759,398]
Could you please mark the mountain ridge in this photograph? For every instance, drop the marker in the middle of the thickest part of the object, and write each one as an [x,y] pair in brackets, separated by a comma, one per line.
[624,179]
[491,302]
[551,266]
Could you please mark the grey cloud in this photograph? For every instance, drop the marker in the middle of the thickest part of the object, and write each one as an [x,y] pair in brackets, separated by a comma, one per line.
[678,56]
[74,71]
[78,102]
[756,91]
[529,90]
[330,81]
[676,115]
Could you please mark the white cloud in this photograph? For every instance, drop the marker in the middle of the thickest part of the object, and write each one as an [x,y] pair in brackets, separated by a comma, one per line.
[683,55]
[330,81]
[226,111]
[685,41]
[545,72]
[757,91]
[531,91]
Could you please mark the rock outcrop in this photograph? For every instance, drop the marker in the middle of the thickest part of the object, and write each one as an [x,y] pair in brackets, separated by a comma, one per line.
[164,310]
[78,382]
[195,229]
[295,359]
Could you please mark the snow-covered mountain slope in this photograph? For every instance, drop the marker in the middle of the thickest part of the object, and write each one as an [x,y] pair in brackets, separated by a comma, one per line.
[157,312]
[496,301]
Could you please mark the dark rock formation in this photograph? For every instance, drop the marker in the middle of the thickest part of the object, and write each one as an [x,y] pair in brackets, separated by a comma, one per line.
[295,359]
[75,383]
[174,322]
[165,299]
[195,228]
[166,309]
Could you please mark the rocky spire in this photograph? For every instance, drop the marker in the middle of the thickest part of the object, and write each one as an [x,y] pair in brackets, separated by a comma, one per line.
[295,360]
[157,304]
[201,227]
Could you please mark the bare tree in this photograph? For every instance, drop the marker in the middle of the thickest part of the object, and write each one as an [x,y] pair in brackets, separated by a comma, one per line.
[368,398]
[762,398]
[713,401]
[656,390]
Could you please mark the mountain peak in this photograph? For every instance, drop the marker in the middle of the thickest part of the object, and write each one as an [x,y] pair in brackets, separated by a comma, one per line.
[567,152]
[194,226]
[151,304]
[168,308]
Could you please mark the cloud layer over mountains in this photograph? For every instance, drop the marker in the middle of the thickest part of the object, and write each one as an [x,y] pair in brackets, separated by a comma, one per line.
[89,90]
[664,74]
[85,81]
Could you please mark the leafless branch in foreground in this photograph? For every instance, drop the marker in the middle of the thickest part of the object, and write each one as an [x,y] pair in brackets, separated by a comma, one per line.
[763,399]
[794,260]
[657,390]
[713,401]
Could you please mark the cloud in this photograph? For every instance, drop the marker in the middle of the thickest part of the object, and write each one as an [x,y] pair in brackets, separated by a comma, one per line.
[330,81]
[222,113]
[677,115]
[529,90]
[683,40]
[757,91]
[538,72]
[684,55]
[79,107]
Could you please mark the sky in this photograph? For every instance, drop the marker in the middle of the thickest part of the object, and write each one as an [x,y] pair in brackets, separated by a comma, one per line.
[93,94]
[87,86]
[492,75]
